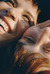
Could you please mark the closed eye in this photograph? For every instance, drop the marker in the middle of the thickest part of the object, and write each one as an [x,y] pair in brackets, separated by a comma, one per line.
[30,40]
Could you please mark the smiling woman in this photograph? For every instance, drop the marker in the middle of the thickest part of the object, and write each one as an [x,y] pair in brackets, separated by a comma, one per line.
[15,20]
[23,45]
[32,55]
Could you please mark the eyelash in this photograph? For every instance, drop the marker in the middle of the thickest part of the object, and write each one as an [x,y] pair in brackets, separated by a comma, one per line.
[27,18]
[29,39]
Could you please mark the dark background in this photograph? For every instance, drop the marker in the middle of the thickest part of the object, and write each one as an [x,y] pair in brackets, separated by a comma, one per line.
[44,6]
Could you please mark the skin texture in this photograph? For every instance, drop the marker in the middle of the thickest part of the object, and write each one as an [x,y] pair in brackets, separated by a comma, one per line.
[18,23]
[33,49]
[12,28]
[31,54]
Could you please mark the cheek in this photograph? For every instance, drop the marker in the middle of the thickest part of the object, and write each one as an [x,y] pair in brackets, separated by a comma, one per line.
[21,27]
[24,24]
[28,48]
[31,48]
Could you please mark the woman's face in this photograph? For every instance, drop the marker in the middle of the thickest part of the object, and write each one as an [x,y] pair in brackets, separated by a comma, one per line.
[16,20]
[36,39]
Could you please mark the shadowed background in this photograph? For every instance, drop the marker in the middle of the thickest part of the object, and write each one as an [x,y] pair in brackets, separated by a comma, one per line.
[44,6]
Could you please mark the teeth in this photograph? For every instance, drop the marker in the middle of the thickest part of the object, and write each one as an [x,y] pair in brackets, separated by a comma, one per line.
[1,30]
[1,25]
[6,28]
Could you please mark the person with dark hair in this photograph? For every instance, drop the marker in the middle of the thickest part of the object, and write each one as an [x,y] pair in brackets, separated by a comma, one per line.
[15,20]
[24,46]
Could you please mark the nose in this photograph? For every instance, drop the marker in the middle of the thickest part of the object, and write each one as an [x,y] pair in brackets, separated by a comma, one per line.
[9,12]
[12,13]
[15,13]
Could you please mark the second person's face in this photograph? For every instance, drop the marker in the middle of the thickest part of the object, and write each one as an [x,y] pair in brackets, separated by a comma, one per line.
[36,39]
[35,44]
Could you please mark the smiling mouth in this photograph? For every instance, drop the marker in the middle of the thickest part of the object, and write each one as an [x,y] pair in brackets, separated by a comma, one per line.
[3,26]
[46,48]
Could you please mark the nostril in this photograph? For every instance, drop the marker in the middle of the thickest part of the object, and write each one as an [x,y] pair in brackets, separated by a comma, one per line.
[12,17]
[6,11]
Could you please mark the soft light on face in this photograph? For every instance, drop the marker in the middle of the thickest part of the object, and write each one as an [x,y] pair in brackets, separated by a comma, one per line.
[33,47]
[37,39]
[36,43]
[29,6]
[16,20]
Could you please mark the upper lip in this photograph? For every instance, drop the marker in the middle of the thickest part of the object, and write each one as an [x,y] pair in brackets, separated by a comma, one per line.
[46,48]
[5,20]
